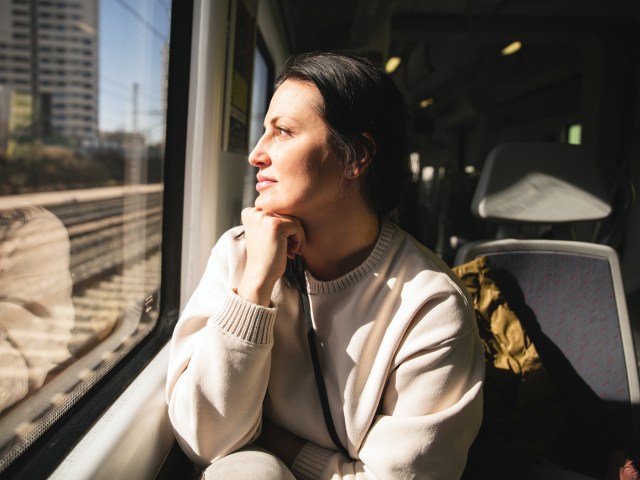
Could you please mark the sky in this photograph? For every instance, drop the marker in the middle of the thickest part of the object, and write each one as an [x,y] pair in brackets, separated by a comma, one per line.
[132,35]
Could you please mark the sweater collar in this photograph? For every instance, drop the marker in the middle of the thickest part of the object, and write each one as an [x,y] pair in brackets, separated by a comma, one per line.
[319,287]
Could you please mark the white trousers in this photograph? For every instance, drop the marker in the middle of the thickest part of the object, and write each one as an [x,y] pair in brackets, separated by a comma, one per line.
[251,463]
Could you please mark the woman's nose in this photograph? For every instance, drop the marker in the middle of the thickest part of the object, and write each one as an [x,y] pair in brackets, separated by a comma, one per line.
[258,156]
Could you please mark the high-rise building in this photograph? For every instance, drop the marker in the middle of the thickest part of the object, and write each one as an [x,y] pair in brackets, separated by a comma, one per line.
[49,52]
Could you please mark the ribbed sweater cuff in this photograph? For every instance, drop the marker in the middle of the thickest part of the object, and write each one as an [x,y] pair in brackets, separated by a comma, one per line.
[311,461]
[245,320]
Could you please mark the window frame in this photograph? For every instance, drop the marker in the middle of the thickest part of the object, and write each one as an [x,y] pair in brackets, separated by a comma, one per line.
[48,451]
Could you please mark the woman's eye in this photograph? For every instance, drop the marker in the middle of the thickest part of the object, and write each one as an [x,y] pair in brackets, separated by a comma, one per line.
[280,131]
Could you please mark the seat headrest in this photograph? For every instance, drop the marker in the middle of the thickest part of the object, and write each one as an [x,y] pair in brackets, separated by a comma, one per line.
[540,183]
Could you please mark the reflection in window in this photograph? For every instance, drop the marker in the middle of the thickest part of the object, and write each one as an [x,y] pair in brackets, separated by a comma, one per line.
[80,200]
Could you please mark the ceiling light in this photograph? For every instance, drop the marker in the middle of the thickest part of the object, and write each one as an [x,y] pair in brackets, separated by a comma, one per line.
[512,48]
[426,102]
[392,64]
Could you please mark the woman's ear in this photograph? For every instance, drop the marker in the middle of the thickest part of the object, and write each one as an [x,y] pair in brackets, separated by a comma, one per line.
[368,152]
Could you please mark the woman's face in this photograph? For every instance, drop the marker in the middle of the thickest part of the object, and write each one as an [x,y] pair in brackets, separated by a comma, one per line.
[298,173]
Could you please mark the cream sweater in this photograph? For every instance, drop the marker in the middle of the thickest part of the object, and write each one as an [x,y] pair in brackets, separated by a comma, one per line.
[400,352]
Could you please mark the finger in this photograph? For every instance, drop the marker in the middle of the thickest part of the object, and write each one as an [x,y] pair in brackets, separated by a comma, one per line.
[294,233]
[294,247]
[248,214]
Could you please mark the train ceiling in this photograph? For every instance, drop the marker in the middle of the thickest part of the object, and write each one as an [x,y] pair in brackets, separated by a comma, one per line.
[449,46]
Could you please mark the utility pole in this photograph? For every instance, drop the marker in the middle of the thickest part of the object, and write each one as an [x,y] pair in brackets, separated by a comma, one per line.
[135,108]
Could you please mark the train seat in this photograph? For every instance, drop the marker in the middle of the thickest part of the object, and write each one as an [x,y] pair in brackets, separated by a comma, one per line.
[570,300]
[568,296]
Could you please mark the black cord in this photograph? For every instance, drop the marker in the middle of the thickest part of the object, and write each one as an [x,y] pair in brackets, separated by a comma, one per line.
[295,275]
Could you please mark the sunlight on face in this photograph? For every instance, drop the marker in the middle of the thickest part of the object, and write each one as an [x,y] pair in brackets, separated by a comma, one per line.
[298,174]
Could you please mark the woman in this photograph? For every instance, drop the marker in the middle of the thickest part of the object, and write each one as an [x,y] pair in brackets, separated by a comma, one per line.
[396,339]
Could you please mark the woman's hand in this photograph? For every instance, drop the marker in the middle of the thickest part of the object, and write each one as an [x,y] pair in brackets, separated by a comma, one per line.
[270,239]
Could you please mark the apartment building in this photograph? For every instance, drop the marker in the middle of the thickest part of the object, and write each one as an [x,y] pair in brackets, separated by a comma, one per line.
[49,63]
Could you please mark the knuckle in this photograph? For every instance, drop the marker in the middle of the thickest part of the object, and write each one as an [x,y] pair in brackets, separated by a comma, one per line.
[245,213]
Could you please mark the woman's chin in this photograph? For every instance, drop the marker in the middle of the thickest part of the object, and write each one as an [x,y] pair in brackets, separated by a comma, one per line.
[267,204]
[262,203]
[275,207]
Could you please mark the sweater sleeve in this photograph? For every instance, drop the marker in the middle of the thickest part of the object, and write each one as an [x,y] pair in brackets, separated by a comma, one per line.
[430,411]
[219,364]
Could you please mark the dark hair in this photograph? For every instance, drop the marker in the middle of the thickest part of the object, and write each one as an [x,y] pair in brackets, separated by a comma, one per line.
[359,98]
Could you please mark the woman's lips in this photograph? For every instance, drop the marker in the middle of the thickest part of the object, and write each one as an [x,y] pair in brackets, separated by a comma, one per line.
[264,182]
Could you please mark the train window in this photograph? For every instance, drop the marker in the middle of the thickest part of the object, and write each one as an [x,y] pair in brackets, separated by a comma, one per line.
[81,201]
